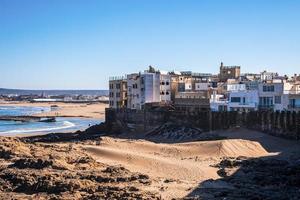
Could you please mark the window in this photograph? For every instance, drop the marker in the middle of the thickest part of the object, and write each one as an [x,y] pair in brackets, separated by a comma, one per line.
[167,83]
[163,83]
[118,85]
[268,88]
[118,94]
[278,99]
[134,86]
[292,103]
[266,101]
[236,99]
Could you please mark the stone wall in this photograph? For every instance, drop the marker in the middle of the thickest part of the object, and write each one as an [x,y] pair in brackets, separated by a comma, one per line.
[285,124]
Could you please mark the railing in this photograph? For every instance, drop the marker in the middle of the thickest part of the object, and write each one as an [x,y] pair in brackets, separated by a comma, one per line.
[117,78]
[265,106]
[294,106]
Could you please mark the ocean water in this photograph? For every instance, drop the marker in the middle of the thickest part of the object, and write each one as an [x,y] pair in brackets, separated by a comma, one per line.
[22,110]
[54,92]
[10,128]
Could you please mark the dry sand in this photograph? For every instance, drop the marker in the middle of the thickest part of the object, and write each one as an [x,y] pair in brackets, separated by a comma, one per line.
[176,169]
[95,110]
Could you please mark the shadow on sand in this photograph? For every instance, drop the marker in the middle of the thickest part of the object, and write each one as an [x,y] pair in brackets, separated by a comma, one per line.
[271,177]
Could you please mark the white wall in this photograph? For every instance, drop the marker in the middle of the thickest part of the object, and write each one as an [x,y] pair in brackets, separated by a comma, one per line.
[165,88]
[250,96]
[236,87]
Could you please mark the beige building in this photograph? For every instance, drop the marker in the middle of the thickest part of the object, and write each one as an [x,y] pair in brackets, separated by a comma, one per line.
[117,92]
[229,72]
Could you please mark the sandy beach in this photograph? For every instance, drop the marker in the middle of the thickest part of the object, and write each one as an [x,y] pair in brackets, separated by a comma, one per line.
[95,110]
[98,167]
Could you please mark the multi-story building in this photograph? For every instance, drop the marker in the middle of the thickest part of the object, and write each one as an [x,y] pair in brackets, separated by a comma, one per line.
[229,72]
[294,97]
[273,95]
[165,88]
[118,92]
[243,100]
[150,88]
[218,102]
[236,87]
[198,91]
[267,76]
[193,91]
[191,101]
[134,91]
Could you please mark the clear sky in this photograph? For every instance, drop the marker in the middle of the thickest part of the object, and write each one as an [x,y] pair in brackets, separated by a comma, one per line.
[73,44]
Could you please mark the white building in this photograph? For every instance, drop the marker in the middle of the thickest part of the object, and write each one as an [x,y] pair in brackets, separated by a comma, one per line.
[150,88]
[243,100]
[218,102]
[236,87]
[165,88]
[271,96]
[267,76]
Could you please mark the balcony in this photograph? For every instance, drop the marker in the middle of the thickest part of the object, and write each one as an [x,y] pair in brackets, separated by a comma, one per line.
[266,107]
[294,106]
[242,105]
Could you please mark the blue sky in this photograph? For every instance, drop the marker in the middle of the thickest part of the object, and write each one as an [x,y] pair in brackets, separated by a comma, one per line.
[72,44]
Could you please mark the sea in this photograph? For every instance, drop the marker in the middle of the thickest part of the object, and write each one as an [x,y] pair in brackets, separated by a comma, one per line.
[62,124]
[4,91]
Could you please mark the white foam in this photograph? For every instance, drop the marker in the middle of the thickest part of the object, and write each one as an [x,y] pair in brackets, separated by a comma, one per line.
[66,124]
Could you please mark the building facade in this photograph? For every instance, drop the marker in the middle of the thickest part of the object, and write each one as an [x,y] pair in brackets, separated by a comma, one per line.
[118,92]
[229,72]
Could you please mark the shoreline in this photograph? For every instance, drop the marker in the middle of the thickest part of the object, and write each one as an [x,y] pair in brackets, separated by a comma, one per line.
[81,110]
[93,112]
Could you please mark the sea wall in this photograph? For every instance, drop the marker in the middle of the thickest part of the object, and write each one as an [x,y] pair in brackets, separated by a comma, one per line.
[147,119]
[284,124]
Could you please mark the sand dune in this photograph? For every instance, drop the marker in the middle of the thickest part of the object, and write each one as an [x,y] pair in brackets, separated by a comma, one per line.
[185,163]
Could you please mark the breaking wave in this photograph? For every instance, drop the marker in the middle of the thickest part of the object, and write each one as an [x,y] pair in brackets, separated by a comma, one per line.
[65,125]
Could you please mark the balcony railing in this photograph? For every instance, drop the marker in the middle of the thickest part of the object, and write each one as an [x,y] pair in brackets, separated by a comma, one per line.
[265,106]
[294,106]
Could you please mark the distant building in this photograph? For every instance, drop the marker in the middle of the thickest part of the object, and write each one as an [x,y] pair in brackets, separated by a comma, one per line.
[236,87]
[229,72]
[267,76]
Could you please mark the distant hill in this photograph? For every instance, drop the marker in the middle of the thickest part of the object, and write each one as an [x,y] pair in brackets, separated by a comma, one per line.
[5,91]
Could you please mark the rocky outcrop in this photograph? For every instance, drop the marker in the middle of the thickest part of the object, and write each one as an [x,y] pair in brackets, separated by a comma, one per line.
[64,171]
[170,132]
